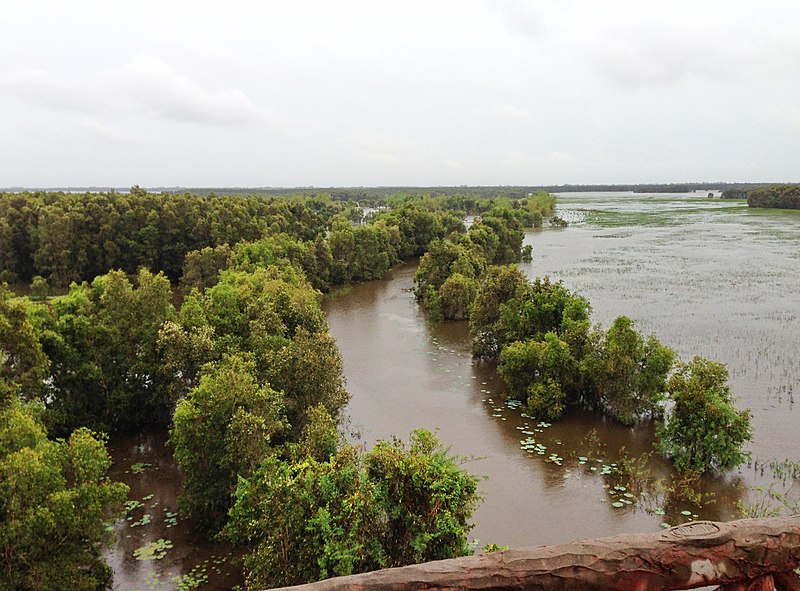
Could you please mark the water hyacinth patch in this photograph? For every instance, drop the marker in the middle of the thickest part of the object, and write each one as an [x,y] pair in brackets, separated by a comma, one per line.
[145,520]
[153,551]
[140,467]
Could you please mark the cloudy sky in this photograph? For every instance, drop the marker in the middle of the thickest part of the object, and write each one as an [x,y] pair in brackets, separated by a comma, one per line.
[343,93]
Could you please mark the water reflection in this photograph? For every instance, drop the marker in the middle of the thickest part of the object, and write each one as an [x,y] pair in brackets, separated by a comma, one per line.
[174,557]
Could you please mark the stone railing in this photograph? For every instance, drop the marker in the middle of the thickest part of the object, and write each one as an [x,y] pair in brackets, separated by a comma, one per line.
[746,555]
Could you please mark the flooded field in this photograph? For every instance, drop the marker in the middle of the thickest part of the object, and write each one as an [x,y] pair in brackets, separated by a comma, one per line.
[709,277]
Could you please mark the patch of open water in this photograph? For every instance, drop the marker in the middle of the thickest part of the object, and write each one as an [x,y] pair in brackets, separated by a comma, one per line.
[708,277]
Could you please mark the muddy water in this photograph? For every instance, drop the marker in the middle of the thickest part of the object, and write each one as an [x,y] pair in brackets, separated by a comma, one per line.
[708,277]
[187,562]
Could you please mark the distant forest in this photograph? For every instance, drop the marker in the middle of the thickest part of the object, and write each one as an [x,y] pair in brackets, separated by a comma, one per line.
[730,190]
[779,196]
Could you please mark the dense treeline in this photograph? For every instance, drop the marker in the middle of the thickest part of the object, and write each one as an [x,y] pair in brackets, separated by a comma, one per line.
[372,194]
[250,382]
[74,237]
[777,196]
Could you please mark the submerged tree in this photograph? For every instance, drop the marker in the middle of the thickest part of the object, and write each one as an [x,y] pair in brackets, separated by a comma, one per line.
[223,428]
[627,373]
[703,430]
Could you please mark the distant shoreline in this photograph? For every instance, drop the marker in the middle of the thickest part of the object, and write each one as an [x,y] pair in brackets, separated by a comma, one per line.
[356,192]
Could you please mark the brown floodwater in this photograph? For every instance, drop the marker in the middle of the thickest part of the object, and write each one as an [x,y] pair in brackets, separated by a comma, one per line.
[145,464]
[709,278]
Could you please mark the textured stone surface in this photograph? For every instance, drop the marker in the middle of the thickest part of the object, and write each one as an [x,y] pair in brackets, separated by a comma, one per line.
[684,557]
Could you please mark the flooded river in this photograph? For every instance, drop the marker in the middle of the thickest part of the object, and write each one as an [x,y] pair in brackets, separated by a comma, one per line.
[708,277]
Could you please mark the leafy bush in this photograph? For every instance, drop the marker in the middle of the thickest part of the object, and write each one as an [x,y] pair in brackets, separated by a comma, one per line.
[703,430]
[55,504]
[309,519]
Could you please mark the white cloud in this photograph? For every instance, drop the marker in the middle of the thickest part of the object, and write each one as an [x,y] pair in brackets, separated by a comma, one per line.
[355,92]
[507,115]
[157,86]
[637,44]
[44,89]
[107,133]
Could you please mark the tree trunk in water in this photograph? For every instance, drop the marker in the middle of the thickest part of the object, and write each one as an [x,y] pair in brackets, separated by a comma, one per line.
[683,557]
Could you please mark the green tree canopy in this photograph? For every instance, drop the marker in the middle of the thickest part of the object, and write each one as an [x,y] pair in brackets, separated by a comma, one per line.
[22,361]
[703,430]
[310,519]
[55,505]
[102,340]
[223,429]
[627,373]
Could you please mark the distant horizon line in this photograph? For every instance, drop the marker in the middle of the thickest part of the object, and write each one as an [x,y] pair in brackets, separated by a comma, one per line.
[99,188]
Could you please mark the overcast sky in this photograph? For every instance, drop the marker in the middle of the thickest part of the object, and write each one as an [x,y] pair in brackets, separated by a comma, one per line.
[344,93]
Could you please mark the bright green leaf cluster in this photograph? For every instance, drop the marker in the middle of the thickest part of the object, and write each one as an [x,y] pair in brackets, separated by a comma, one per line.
[55,504]
[309,519]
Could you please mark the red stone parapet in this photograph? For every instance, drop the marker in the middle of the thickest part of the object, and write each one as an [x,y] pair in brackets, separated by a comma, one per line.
[750,554]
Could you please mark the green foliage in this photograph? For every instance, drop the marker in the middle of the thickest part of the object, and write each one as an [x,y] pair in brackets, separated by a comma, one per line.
[23,365]
[39,288]
[320,437]
[418,226]
[258,311]
[75,237]
[102,341]
[546,400]
[308,370]
[457,264]
[539,307]
[543,374]
[703,430]
[360,253]
[222,429]
[498,285]
[457,294]
[278,250]
[55,503]
[509,308]
[627,373]
[273,370]
[778,196]
[427,497]
[306,521]
[201,267]
[505,225]
[312,519]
